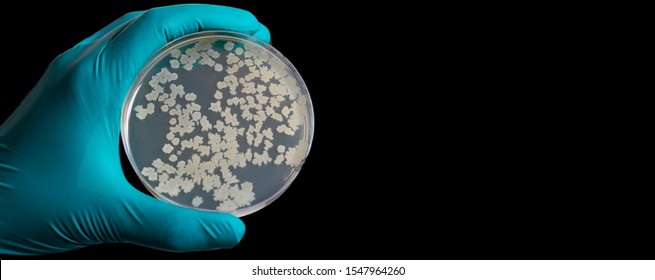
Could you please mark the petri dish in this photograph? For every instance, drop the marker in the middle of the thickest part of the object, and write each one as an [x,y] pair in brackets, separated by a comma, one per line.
[218,121]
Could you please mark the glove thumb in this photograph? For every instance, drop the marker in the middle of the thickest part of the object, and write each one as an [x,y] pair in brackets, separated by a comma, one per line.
[146,221]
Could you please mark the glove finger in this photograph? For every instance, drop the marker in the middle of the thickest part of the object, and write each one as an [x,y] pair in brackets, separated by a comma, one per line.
[263,34]
[124,20]
[93,41]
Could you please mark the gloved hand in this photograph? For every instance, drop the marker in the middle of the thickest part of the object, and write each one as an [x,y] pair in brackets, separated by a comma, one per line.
[61,182]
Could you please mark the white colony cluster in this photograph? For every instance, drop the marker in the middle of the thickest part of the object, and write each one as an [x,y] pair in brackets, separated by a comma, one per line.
[248,104]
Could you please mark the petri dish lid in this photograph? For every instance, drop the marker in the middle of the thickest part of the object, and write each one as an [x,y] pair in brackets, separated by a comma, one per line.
[218,121]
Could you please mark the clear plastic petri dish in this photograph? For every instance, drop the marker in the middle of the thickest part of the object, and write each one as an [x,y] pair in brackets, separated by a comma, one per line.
[218,121]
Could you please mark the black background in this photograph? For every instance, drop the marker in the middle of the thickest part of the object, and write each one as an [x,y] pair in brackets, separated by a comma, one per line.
[433,140]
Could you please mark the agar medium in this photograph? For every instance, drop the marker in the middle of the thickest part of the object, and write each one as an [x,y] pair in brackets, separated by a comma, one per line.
[218,121]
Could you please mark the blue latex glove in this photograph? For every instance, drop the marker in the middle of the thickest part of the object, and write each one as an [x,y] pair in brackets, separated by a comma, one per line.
[61,182]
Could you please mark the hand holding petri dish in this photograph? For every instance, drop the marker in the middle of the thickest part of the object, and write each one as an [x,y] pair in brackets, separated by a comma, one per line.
[218,121]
